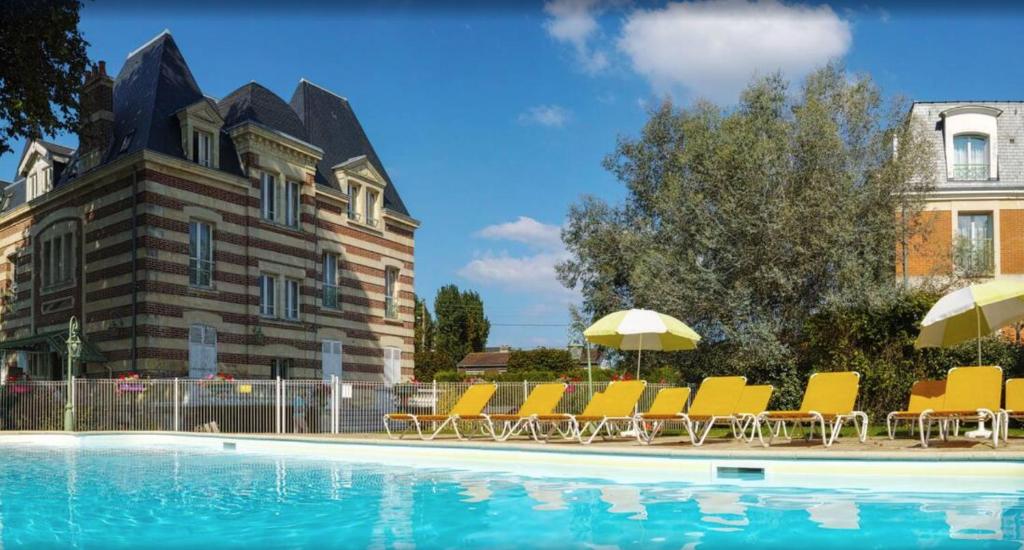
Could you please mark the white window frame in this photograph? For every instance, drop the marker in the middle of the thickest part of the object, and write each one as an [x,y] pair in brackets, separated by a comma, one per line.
[268,196]
[58,260]
[332,290]
[202,143]
[353,202]
[292,293]
[370,207]
[268,295]
[198,262]
[391,292]
[292,203]
[392,365]
[202,351]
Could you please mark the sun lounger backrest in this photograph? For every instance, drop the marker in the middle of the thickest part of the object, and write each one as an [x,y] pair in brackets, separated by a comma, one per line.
[596,405]
[543,399]
[1015,394]
[972,388]
[474,400]
[831,392]
[670,401]
[717,396]
[621,397]
[927,394]
[754,399]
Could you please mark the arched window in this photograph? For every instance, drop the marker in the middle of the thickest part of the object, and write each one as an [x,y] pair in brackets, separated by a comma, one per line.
[970,157]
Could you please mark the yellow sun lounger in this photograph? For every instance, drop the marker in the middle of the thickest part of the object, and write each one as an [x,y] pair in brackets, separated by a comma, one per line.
[1014,404]
[469,407]
[753,401]
[608,411]
[668,406]
[924,394]
[556,421]
[715,402]
[542,400]
[828,403]
[973,394]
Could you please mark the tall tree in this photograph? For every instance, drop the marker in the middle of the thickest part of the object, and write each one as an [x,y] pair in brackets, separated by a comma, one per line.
[745,221]
[424,330]
[42,65]
[461,326]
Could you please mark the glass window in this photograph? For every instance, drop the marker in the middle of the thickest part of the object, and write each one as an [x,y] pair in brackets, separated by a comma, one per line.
[371,207]
[202,351]
[200,254]
[268,288]
[57,263]
[291,299]
[390,293]
[970,157]
[974,250]
[353,196]
[291,195]
[202,147]
[268,196]
[332,292]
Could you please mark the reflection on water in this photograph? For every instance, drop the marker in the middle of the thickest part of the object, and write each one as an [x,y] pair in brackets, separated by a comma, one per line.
[119,498]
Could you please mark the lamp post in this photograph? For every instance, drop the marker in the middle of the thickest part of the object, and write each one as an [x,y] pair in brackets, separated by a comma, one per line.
[74,344]
[576,349]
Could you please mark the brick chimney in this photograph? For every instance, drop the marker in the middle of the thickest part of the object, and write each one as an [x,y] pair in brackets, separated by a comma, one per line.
[96,117]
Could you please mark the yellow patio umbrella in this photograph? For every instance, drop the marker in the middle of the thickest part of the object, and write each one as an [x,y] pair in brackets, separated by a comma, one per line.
[642,329]
[972,312]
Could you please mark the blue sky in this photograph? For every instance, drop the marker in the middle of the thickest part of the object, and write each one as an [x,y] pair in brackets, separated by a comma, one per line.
[492,122]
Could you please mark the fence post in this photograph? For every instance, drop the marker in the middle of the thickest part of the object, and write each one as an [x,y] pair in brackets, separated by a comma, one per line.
[335,408]
[177,406]
[526,391]
[433,401]
[277,405]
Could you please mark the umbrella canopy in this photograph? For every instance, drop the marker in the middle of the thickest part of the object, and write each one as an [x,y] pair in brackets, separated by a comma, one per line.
[972,312]
[642,329]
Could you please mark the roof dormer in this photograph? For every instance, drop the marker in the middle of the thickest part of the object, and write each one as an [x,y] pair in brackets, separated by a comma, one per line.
[200,132]
[971,142]
[364,185]
[41,164]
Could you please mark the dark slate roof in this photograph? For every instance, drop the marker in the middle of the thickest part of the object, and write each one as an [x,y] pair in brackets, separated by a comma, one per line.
[333,126]
[254,103]
[153,85]
[14,194]
[485,359]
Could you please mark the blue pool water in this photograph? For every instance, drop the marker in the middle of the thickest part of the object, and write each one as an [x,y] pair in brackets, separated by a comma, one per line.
[96,498]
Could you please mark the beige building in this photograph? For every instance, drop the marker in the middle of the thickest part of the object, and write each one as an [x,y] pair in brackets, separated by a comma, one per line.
[249,236]
[974,220]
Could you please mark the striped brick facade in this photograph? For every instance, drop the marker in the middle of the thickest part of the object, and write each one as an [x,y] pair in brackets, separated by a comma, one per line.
[151,198]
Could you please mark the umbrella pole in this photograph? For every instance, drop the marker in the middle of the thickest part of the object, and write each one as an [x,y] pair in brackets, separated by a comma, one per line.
[639,351]
[590,376]
[977,317]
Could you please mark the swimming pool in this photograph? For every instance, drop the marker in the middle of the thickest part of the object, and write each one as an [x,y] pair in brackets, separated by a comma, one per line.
[124,491]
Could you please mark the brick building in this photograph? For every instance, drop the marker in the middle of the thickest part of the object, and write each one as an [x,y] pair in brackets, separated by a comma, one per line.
[191,236]
[973,224]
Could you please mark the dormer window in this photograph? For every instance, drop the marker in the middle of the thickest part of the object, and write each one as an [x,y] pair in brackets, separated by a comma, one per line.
[371,207]
[971,135]
[353,198]
[200,129]
[202,148]
[970,157]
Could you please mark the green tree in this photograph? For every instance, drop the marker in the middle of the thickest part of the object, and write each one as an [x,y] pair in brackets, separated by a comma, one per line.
[541,359]
[44,63]
[745,221]
[424,329]
[461,326]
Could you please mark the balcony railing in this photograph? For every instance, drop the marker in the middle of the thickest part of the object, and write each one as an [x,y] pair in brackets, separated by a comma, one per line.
[974,257]
[354,216]
[372,222]
[970,172]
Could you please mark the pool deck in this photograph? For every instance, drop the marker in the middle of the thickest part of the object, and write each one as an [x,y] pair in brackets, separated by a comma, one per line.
[875,448]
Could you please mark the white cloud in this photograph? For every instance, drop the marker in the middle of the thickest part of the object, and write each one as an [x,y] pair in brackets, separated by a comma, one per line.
[575,22]
[525,230]
[552,116]
[533,272]
[712,48]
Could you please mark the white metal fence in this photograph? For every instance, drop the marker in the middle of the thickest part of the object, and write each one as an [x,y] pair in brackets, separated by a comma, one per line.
[252,406]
